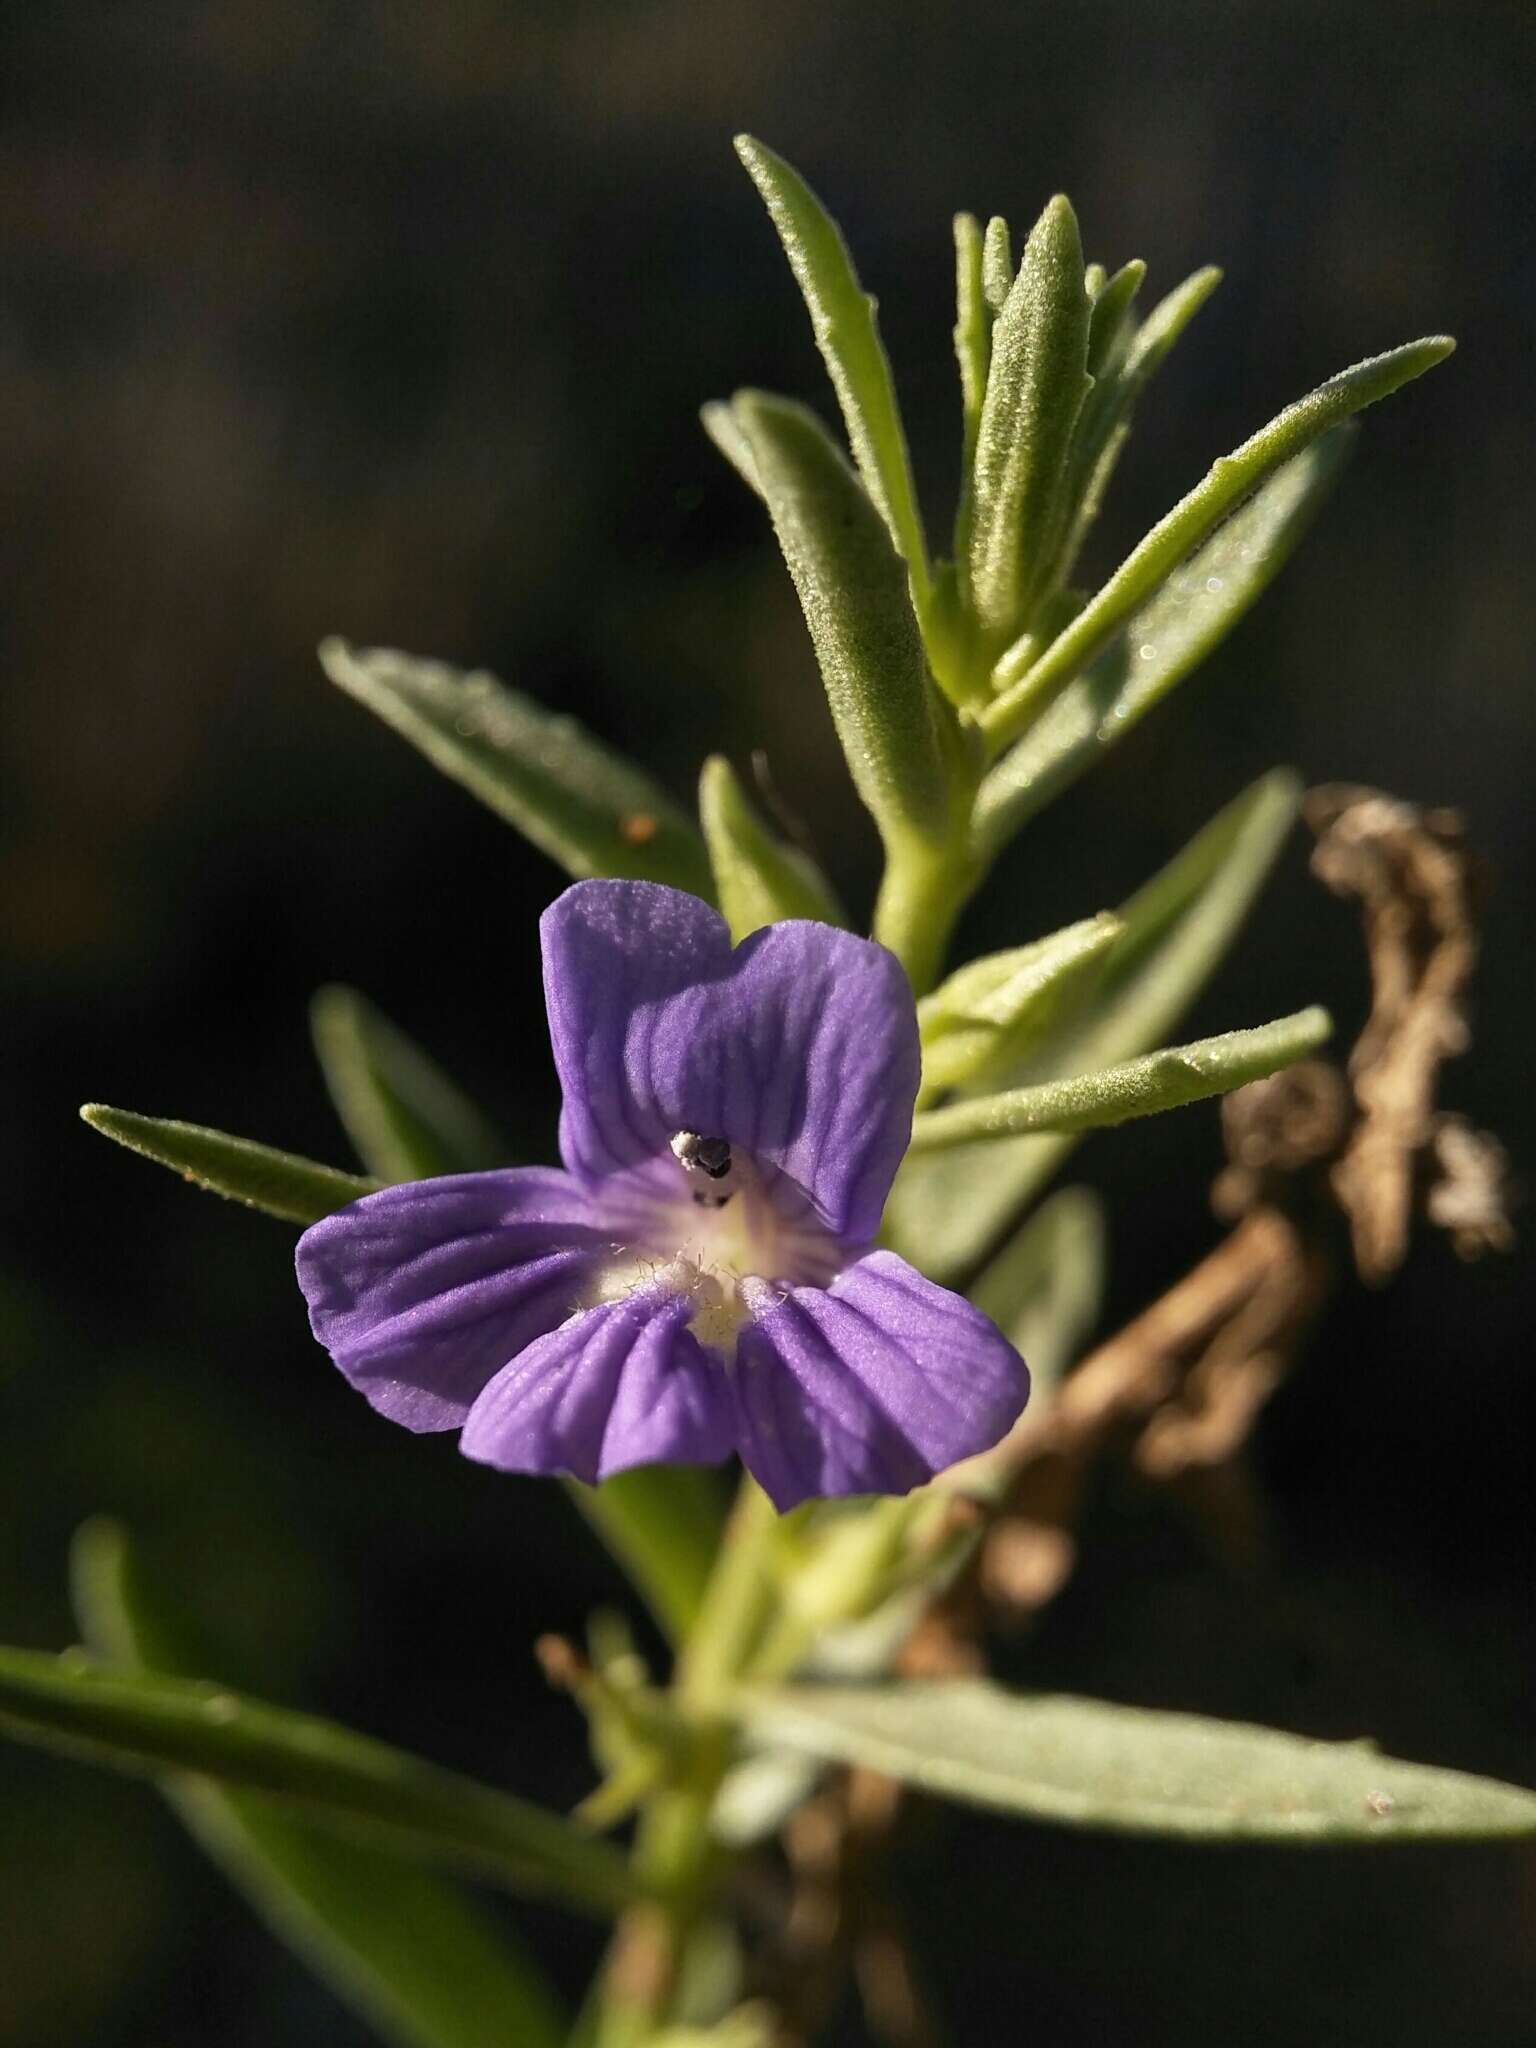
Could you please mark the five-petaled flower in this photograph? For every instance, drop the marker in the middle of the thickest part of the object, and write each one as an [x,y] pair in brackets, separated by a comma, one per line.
[700,1279]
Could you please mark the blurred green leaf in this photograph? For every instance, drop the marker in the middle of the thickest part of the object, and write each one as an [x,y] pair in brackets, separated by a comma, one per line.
[403,1947]
[973,344]
[1167,1079]
[1109,323]
[1035,389]
[146,1723]
[1044,1288]
[1086,1764]
[759,878]
[843,319]
[853,591]
[664,1524]
[984,1017]
[948,1209]
[405,1118]
[1194,610]
[299,1190]
[1231,479]
[583,805]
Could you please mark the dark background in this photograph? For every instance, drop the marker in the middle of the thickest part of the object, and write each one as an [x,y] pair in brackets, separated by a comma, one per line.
[392,321]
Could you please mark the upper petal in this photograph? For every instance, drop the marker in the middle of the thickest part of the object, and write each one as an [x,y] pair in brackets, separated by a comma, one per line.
[422,1292]
[871,1385]
[620,1385]
[800,1046]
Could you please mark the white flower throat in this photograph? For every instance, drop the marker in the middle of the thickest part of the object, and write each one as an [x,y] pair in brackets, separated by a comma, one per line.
[713,1230]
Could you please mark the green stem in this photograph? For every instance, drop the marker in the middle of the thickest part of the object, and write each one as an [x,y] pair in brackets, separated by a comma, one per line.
[674,1851]
[923,892]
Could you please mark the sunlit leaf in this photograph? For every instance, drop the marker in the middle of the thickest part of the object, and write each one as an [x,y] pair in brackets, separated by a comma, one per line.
[139,1722]
[398,1943]
[986,1014]
[1231,479]
[579,802]
[281,1183]
[853,591]
[1035,387]
[1167,1079]
[1085,1764]
[843,319]
[1194,610]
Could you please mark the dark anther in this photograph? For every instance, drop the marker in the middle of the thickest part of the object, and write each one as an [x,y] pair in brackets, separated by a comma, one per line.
[710,1156]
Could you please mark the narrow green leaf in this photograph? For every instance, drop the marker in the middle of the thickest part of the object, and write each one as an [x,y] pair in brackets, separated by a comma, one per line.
[719,423]
[949,1208]
[1168,1079]
[1086,1764]
[759,879]
[973,338]
[664,1524]
[1110,318]
[406,1119]
[142,1722]
[399,1944]
[853,592]
[1045,1287]
[1132,357]
[984,1017]
[1192,613]
[843,319]
[1035,389]
[281,1183]
[588,809]
[997,272]
[1194,518]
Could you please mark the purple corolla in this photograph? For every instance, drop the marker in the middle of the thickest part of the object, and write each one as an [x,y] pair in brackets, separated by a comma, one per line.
[700,1280]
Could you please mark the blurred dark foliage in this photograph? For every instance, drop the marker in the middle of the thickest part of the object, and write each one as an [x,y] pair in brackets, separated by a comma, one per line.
[393,321]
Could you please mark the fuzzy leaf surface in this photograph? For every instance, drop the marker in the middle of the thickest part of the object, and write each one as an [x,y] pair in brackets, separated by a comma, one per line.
[1086,1764]
[281,1183]
[591,811]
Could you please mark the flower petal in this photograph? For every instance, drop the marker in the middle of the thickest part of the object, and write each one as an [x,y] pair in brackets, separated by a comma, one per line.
[871,1385]
[800,1047]
[620,1385]
[422,1292]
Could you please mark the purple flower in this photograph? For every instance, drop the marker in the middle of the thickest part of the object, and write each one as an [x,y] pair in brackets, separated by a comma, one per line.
[700,1279]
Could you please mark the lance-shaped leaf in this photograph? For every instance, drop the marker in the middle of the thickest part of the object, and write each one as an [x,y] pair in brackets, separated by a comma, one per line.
[853,591]
[973,335]
[1086,1764]
[1131,357]
[583,805]
[997,271]
[1193,612]
[1168,1079]
[759,878]
[984,1017]
[1109,321]
[1231,479]
[281,1183]
[843,320]
[145,1723]
[405,1117]
[1035,389]
[401,1945]
[949,1208]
